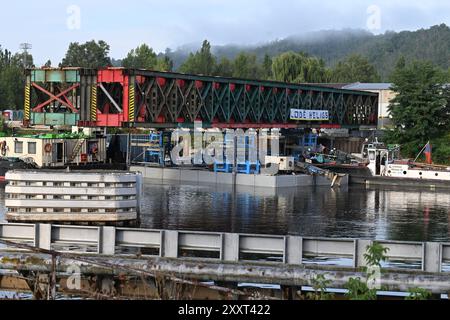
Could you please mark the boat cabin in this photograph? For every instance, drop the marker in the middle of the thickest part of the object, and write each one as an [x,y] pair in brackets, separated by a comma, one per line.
[386,162]
[379,156]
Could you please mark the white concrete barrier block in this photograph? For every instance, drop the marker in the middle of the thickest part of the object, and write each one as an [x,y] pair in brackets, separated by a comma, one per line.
[44,236]
[294,250]
[107,244]
[432,257]
[170,244]
[230,247]
[361,250]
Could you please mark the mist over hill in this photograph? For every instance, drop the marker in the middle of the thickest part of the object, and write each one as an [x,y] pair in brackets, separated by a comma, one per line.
[383,51]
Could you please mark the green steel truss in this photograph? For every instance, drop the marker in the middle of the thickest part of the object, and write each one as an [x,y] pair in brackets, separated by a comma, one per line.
[172,98]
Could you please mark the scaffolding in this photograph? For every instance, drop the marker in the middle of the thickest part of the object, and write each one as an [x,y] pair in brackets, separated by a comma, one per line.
[151,149]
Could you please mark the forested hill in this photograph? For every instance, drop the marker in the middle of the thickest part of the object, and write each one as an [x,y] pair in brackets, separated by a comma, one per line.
[382,51]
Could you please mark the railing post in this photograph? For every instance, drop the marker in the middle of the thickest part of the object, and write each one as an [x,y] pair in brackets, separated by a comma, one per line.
[107,245]
[294,250]
[169,244]
[230,247]
[43,236]
[360,250]
[432,257]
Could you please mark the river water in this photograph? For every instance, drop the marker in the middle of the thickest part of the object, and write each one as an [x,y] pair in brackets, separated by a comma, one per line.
[379,213]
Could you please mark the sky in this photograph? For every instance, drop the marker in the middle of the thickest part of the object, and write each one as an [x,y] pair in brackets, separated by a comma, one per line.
[51,25]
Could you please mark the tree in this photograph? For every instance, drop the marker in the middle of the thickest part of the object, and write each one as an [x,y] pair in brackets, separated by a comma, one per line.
[143,57]
[355,68]
[202,62]
[12,80]
[246,66]
[88,55]
[267,67]
[164,64]
[421,110]
[224,68]
[25,59]
[299,67]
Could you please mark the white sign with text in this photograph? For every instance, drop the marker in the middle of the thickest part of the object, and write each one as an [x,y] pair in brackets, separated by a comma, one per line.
[310,115]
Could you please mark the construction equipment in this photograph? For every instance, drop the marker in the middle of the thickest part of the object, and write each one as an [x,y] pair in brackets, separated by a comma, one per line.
[309,169]
[284,163]
[158,148]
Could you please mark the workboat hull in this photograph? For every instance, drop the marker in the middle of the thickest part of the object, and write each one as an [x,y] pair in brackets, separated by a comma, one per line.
[362,175]
[400,182]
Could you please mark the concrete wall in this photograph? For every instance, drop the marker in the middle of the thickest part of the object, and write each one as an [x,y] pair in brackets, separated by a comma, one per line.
[71,197]
[427,256]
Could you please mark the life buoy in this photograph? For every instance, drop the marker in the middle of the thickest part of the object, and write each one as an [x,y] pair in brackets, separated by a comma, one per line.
[3,148]
[48,148]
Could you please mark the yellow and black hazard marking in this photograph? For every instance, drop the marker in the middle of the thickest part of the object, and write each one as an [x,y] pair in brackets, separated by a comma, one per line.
[132,105]
[94,103]
[27,102]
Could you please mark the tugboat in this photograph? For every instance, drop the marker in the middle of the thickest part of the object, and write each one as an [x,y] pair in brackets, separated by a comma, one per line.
[381,165]
[386,168]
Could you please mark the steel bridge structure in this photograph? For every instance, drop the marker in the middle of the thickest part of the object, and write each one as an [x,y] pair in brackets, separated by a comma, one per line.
[117,97]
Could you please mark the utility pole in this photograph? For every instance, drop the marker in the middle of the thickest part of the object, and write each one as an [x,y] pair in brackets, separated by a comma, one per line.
[25,47]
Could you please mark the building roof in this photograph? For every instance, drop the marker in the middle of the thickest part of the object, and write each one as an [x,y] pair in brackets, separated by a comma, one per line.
[330,85]
[368,86]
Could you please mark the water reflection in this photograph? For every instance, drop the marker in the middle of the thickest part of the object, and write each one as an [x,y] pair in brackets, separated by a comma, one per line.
[375,213]
[354,212]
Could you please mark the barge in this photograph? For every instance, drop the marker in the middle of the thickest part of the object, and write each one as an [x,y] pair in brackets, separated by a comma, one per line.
[81,197]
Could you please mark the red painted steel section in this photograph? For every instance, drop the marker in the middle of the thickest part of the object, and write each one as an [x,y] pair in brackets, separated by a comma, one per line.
[109,120]
[161,81]
[111,75]
[126,95]
[114,75]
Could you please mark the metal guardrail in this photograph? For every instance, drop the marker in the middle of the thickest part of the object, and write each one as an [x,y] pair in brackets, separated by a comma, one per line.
[227,247]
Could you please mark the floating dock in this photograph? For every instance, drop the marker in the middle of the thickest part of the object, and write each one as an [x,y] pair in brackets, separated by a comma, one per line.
[197,176]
